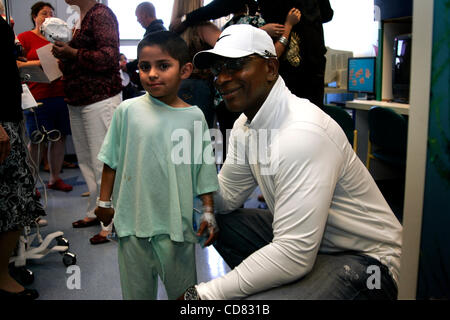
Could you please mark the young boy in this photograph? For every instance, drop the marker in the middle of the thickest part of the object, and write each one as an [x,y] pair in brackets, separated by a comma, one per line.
[152,191]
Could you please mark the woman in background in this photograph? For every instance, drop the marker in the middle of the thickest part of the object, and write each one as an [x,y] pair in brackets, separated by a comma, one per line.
[198,89]
[53,114]
[19,206]
[92,84]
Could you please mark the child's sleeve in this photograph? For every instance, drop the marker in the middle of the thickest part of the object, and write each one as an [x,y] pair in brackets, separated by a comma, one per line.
[205,180]
[110,150]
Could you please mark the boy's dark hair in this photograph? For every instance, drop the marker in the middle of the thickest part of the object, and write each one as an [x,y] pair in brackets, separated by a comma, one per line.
[38,7]
[169,42]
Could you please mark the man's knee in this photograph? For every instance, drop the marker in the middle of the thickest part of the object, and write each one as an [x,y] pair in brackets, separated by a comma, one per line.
[246,221]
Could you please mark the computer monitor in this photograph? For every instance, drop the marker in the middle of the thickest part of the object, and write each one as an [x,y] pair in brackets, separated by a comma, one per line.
[361,76]
[336,67]
[401,65]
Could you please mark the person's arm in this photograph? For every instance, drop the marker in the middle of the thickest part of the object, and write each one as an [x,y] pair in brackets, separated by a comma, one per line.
[326,12]
[25,45]
[63,51]
[107,38]
[236,181]
[304,185]
[5,146]
[215,9]
[292,18]
[109,154]
[104,56]
[104,210]
[207,221]
[29,63]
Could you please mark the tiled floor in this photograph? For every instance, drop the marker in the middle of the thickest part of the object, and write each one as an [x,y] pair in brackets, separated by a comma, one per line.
[96,275]
[97,266]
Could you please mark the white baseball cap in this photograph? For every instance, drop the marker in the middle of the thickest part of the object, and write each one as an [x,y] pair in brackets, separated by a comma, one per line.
[236,41]
[56,29]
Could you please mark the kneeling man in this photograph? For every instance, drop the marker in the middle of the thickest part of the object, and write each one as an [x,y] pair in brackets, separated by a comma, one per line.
[328,233]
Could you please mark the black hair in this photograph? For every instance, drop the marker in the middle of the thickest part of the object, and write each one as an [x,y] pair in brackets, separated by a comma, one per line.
[169,42]
[38,7]
[252,7]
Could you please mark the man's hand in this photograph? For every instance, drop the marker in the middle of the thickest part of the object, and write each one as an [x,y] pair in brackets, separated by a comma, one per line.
[208,225]
[105,215]
[63,51]
[5,146]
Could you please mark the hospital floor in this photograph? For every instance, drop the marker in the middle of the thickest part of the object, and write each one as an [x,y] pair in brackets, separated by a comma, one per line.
[96,275]
[97,267]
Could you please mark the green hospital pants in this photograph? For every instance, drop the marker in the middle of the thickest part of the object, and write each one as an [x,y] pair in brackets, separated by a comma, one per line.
[141,261]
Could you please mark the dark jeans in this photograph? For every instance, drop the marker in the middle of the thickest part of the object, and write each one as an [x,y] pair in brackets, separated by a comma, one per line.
[338,276]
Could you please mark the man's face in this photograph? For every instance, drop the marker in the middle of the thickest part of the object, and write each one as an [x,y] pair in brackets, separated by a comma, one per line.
[141,18]
[243,83]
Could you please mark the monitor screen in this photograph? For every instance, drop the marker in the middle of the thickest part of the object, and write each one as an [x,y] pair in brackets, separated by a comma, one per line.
[361,75]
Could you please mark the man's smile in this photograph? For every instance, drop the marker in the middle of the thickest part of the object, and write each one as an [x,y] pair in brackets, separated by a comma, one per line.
[229,92]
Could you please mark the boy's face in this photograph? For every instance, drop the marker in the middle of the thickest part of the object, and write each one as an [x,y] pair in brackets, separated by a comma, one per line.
[160,74]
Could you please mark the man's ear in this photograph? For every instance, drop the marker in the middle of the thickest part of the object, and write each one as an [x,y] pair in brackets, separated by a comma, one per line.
[272,68]
[186,70]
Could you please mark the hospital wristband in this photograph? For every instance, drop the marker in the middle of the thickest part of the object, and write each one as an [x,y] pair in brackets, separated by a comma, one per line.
[104,204]
[208,209]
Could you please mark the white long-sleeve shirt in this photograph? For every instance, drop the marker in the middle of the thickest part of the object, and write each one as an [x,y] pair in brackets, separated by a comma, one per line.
[322,197]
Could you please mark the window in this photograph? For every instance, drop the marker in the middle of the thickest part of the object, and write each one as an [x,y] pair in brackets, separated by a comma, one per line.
[130,30]
[353,27]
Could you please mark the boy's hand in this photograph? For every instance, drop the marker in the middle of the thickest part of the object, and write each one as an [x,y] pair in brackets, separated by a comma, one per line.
[208,224]
[105,215]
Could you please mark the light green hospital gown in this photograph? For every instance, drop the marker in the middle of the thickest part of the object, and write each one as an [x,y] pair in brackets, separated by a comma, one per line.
[163,159]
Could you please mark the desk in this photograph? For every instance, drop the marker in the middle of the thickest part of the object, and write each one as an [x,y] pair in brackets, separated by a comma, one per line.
[401,108]
[335,90]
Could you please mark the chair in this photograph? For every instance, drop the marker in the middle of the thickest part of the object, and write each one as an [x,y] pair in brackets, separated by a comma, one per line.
[388,132]
[345,121]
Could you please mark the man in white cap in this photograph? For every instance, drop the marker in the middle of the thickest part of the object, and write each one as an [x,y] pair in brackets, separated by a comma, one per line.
[328,233]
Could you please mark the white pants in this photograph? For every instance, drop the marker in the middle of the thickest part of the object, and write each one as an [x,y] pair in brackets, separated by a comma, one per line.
[89,125]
